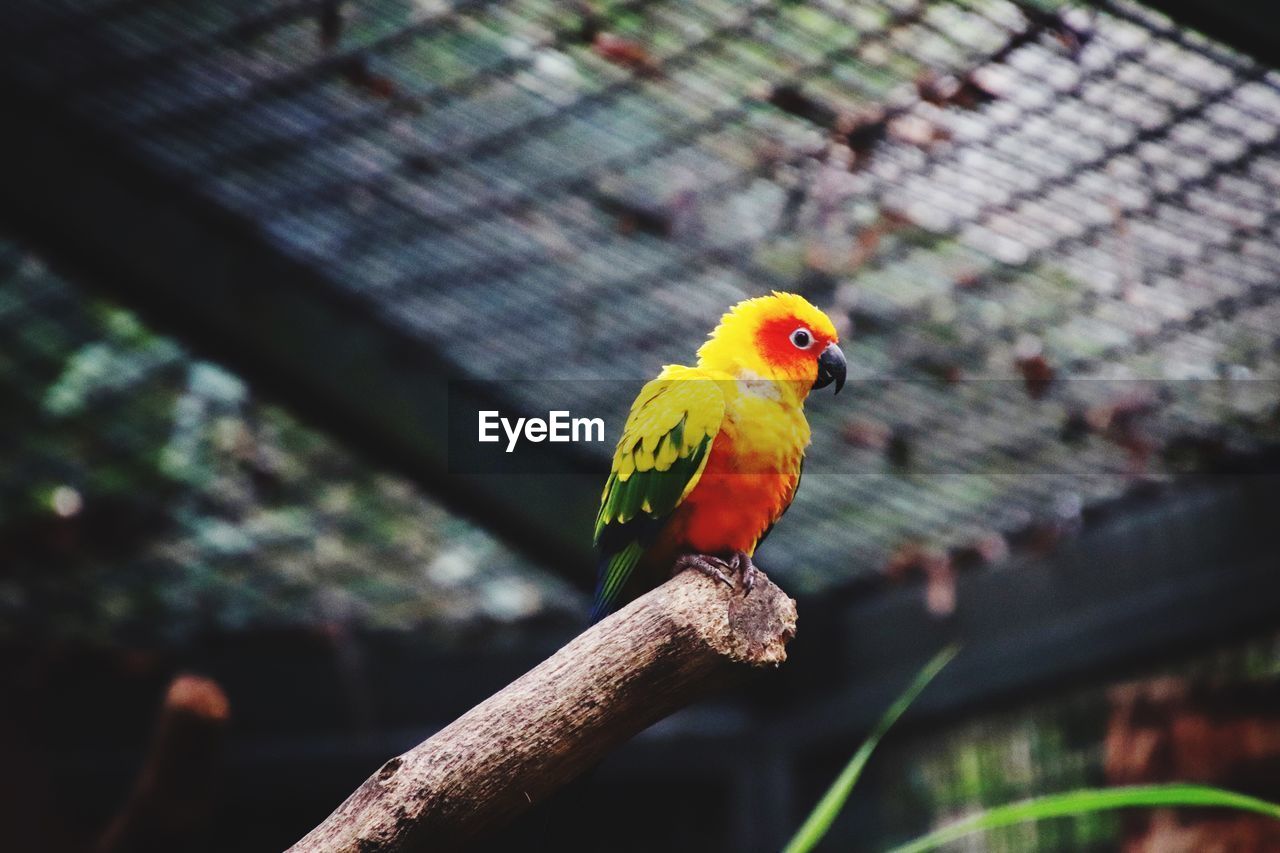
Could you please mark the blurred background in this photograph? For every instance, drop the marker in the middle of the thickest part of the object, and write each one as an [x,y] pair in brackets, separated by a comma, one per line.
[246,247]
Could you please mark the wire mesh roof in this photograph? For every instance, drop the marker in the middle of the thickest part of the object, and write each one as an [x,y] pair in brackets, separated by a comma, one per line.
[996,200]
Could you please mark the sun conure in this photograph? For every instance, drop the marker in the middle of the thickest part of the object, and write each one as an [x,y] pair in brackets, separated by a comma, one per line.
[710,456]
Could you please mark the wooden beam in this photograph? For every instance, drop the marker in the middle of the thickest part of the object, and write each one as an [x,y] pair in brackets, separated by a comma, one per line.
[1247,26]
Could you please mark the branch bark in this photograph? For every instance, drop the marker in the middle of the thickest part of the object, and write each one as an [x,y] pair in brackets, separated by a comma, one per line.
[675,644]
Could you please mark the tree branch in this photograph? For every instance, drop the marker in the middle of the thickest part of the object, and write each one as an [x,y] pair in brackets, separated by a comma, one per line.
[174,792]
[668,648]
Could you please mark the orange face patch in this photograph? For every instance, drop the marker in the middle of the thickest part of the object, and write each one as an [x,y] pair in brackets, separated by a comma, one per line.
[775,342]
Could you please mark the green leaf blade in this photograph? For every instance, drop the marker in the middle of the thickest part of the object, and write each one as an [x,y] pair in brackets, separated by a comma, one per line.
[1088,801]
[824,814]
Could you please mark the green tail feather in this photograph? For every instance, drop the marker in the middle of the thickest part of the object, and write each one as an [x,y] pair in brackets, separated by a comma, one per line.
[615,570]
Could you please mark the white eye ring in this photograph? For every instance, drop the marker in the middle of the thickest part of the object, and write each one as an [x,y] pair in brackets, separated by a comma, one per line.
[802,338]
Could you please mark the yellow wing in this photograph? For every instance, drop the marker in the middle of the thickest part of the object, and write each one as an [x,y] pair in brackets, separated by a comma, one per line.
[662,453]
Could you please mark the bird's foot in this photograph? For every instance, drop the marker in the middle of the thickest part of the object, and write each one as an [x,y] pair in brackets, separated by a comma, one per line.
[717,569]
[741,563]
[713,567]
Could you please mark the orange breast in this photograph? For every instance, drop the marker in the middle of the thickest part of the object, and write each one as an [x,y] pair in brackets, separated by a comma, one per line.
[730,508]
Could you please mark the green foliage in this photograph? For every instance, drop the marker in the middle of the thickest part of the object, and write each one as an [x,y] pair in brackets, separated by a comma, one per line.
[824,814]
[1089,801]
[1078,804]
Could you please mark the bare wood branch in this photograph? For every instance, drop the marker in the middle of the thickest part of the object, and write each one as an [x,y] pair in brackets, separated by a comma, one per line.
[666,649]
[173,796]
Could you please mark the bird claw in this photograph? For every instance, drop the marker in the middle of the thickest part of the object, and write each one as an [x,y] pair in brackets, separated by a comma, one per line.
[715,568]
[741,563]
[712,567]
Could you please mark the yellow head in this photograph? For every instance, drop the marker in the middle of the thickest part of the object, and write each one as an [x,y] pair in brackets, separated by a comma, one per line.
[780,337]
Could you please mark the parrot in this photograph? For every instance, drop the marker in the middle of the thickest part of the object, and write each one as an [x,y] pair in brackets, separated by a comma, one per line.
[711,455]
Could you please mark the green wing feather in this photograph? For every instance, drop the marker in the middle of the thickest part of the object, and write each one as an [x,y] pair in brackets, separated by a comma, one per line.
[662,453]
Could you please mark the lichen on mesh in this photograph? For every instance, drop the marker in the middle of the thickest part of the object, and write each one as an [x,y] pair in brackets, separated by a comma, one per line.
[150,495]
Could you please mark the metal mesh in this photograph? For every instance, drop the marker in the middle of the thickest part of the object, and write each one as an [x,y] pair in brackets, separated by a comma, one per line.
[1000,202]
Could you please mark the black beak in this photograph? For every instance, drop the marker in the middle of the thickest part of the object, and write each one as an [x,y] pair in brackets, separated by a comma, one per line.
[831,368]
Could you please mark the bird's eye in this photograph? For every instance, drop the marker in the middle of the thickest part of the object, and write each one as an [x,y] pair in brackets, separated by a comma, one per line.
[801,338]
